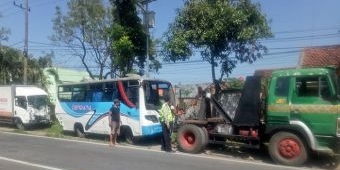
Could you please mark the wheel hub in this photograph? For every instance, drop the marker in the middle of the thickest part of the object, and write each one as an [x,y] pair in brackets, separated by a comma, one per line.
[188,139]
[289,148]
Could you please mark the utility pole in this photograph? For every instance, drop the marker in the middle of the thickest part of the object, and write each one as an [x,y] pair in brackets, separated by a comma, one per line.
[26,9]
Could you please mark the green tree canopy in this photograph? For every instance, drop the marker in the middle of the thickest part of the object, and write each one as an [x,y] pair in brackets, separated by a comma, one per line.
[129,38]
[224,31]
[11,67]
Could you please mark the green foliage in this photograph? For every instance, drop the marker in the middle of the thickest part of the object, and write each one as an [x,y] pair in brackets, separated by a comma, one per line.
[224,31]
[56,130]
[11,68]
[125,15]
[84,31]
[128,37]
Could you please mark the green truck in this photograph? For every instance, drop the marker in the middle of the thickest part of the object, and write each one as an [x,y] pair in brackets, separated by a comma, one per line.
[294,112]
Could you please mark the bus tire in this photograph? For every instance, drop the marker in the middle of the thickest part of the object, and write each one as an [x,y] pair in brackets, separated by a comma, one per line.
[190,138]
[19,124]
[128,136]
[288,149]
[79,130]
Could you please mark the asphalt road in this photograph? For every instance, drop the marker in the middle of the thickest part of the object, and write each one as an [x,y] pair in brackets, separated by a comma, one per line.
[27,152]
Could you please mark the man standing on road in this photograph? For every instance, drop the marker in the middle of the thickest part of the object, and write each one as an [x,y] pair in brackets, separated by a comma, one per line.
[166,119]
[114,122]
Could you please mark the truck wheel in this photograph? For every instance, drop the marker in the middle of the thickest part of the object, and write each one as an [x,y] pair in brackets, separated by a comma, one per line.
[205,137]
[190,138]
[287,149]
[19,124]
[79,130]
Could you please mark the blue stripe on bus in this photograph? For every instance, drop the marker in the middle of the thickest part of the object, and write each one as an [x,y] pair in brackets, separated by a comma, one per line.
[97,109]
[151,130]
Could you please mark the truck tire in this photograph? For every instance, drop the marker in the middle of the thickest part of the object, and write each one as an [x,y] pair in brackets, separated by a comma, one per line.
[287,149]
[205,137]
[79,130]
[19,124]
[190,138]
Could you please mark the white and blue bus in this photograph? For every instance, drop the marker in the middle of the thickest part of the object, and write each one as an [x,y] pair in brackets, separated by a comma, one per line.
[83,107]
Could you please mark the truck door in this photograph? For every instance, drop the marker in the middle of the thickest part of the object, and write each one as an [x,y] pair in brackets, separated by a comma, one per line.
[312,104]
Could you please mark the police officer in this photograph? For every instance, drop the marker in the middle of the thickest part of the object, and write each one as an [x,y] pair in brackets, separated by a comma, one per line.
[166,119]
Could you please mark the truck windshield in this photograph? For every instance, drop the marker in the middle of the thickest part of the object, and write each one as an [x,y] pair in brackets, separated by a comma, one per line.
[37,101]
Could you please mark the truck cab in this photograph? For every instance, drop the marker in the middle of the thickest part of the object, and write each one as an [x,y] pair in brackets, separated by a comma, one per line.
[303,114]
[294,112]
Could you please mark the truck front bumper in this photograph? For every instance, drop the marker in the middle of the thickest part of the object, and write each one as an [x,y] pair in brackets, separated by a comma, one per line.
[41,119]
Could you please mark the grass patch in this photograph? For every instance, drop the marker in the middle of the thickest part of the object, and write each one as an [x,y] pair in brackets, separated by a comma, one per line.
[56,130]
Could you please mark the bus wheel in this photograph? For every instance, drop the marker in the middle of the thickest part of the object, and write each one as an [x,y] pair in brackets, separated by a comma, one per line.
[79,130]
[19,124]
[287,149]
[190,138]
[128,136]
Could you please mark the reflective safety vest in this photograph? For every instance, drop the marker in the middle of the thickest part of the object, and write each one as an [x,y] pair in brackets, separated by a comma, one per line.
[166,114]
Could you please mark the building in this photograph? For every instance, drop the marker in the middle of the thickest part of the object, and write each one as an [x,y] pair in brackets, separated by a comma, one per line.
[320,57]
[56,75]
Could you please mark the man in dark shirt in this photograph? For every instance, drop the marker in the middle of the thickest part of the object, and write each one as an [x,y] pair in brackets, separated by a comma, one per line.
[114,119]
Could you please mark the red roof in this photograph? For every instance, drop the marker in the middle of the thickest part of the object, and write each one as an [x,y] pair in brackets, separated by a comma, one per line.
[320,56]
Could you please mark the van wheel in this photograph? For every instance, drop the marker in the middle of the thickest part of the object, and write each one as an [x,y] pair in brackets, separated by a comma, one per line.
[79,130]
[287,149]
[19,124]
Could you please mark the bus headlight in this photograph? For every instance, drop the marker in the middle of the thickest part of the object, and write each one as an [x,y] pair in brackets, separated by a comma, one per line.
[152,118]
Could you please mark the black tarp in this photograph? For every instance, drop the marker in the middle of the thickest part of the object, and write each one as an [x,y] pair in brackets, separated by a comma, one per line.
[248,109]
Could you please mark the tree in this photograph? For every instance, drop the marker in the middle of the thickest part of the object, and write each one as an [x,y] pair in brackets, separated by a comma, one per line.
[84,30]
[224,31]
[11,67]
[128,37]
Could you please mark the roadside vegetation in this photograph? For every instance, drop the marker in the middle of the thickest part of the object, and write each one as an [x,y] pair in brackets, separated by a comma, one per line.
[55,130]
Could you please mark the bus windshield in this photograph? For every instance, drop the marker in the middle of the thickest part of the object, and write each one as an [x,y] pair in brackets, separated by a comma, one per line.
[155,91]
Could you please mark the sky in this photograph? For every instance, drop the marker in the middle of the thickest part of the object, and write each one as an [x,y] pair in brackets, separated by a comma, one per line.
[296,24]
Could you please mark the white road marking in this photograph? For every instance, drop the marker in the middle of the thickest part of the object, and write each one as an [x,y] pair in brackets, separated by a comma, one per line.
[29,163]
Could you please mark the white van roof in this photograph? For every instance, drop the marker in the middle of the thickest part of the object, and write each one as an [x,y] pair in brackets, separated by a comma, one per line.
[29,91]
